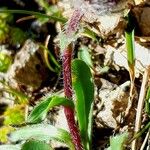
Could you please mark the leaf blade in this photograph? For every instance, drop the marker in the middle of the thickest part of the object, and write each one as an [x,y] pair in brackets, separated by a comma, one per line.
[37,14]
[40,111]
[35,145]
[130,47]
[84,55]
[84,90]
[42,132]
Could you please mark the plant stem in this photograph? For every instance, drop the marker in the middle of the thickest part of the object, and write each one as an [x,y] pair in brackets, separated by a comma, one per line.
[71,29]
[67,55]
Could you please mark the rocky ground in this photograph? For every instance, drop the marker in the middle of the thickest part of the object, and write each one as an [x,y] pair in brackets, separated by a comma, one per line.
[30,74]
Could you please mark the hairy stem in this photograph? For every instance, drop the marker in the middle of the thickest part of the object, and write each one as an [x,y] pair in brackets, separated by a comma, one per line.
[67,55]
[71,29]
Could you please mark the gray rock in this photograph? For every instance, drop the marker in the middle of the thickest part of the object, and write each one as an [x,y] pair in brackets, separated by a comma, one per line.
[28,68]
[114,104]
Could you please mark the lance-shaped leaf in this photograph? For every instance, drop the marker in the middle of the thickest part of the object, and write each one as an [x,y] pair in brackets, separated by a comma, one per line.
[84,91]
[35,145]
[42,132]
[40,111]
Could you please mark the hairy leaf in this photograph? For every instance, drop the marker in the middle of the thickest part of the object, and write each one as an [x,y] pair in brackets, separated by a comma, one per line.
[41,110]
[42,132]
[35,145]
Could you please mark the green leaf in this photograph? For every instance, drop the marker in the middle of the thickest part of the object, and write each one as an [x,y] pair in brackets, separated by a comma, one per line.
[116,142]
[84,91]
[41,110]
[147,101]
[84,55]
[130,47]
[5,62]
[36,14]
[89,33]
[57,101]
[42,132]
[35,145]
[10,147]
[14,115]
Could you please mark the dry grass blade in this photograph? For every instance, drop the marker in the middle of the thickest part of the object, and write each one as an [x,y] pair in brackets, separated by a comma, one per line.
[46,53]
[25,18]
[140,104]
[145,140]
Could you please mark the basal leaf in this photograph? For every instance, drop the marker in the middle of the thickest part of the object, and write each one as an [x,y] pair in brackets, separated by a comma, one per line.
[84,91]
[42,132]
[41,110]
[35,145]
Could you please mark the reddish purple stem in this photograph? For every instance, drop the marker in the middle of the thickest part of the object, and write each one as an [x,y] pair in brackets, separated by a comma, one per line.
[67,56]
[71,29]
